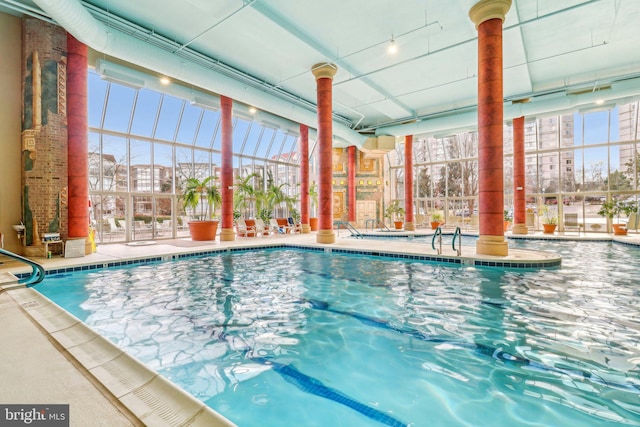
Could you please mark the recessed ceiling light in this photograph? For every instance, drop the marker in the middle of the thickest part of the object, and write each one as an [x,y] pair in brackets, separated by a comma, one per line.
[600,102]
[165,80]
[252,110]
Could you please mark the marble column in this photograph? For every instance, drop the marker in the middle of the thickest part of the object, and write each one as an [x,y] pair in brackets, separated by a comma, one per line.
[408,183]
[488,15]
[226,169]
[324,73]
[519,187]
[304,178]
[351,183]
[78,143]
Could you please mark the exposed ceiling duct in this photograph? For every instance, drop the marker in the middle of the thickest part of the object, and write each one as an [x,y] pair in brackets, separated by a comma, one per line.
[565,102]
[75,19]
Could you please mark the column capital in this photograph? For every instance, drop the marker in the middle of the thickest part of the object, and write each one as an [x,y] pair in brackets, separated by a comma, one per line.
[324,70]
[489,9]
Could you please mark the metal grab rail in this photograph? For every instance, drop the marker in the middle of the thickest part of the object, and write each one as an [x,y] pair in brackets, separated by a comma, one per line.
[457,234]
[438,234]
[37,271]
[354,231]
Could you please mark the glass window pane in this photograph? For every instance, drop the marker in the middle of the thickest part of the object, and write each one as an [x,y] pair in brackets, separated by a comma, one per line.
[114,164]
[201,164]
[548,132]
[144,116]
[266,142]
[140,170]
[163,168]
[629,122]
[184,166]
[254,141]
[96,93]
[189,123]
[119,107]
[567,171]
[240,130]
[95,162]
[596,127]
[169,113]
[210,122]
[595,168]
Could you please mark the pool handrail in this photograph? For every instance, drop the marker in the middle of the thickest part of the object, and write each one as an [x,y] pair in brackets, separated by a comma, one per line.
[37,270]
[457,234]
[354,231]
[437,233]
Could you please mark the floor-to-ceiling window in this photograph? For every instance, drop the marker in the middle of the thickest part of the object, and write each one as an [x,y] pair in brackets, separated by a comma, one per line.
[573,164]
[143,146]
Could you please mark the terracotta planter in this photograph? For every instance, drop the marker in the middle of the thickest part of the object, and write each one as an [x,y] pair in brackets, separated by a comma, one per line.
[506,225]
[398,225]
[203,230]
[619,229]
[434,225]
[313,224]
[549,228]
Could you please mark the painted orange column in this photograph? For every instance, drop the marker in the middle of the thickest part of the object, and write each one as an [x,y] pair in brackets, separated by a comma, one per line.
[324,73]
[226,169]
[519,194]
[351,183]
[77,137]
[304,178]
[408,183]
[488,16]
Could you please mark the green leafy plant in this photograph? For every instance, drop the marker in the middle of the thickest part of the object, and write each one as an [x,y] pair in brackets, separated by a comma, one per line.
[436,217]
[201,196]
[614,208]
[394,210]
[549,216]
[507,216]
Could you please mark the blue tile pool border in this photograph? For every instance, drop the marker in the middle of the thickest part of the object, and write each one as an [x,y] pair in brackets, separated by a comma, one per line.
[452,260]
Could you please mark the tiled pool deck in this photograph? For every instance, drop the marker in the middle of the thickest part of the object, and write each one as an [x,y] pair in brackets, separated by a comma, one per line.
[49,357]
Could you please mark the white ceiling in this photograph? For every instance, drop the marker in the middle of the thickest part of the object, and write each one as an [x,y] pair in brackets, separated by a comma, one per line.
[549,46]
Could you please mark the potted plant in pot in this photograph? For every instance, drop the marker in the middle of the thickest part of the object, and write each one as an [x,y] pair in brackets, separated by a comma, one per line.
[436,220]
[615,208]
[549,220]
[507,220]
[313,198]
[201,197]
[395,213]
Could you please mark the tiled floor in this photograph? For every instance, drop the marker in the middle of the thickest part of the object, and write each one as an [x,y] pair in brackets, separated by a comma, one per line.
[41,363]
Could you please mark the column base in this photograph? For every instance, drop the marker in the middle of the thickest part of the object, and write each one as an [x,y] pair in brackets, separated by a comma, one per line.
[519,229]
[409,226]
[227,235]
[306,228]
[326,236]
[492,245]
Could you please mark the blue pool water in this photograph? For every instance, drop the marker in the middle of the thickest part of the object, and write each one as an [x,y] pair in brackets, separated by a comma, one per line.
[298,338]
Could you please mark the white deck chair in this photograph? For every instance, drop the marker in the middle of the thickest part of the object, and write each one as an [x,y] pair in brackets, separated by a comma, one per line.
[260,227]
[243,230]
[275,228]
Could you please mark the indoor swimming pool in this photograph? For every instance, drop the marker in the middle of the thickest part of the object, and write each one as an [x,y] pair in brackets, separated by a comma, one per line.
[284,337]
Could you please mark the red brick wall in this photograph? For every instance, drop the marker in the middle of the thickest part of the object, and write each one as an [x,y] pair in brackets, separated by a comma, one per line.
[44,135]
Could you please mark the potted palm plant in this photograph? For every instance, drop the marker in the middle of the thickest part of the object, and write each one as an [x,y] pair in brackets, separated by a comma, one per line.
[395,213]
[615,208]
[313,198]
[436,220]
[549,220]
[201,197]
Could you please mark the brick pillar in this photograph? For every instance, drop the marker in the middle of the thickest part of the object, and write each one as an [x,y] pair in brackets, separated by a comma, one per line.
[488,16]
[78,145]
[351,183]
[44,134]
[408,183]
[226,170]
[324,73]
[519,194]
[304,178]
